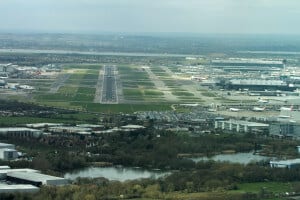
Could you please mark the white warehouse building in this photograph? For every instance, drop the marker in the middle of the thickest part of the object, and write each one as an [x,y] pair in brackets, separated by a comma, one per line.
[35,178]
[20,132]
[26,180]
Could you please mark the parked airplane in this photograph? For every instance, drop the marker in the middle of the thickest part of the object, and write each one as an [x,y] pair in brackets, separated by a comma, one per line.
[284,116]
[25,87]
[258,109]
[286,108]
[263,101]
[234,109]
[212,110]
[190,104]
[285,112]
[3,76]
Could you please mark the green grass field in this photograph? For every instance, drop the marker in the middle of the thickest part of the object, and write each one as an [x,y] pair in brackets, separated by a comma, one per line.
[11,121]
[208,94]
[186,94]
[79,87]
[83,66]
[78,91]
[153,93]
[137,85]
[274,187]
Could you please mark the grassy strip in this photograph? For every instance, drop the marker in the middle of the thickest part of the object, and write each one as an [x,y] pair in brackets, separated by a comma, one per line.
[208,94]
[183,94]
[274,187]
[117,108]
[12,121]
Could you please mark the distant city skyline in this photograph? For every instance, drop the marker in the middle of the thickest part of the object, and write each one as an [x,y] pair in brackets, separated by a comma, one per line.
[151,16]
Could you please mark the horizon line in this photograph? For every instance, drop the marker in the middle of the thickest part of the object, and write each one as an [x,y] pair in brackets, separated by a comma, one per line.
[33,32]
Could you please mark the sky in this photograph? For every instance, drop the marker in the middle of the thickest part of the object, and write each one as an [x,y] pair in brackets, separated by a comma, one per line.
[147,16]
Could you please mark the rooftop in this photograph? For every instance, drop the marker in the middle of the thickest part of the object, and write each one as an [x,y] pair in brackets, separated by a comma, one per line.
[4,186]
[33,176]
[247,123]
[257,82]
[7,149]
[286,162]
[70,128]
[90,126]
[18,129]
[246,61]
[5,145]
[130,126]
[8,170]
[41,125]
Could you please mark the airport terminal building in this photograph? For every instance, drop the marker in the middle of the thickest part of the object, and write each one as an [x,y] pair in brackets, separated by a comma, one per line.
[258,85]
[285,129]
[235,62]
[241,126]
[289,164]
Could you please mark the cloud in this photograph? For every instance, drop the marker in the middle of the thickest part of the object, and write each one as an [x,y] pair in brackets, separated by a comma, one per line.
[203,16]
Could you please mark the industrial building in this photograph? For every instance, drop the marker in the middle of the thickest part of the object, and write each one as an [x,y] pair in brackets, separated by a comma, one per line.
[289,164]
[34,178]
[43,125]
[8,146]
[285,129]
[258,85]
[241,126]
[8,152]
[20,188]
[71,130]
[131,127]
[6,169]
[7,68]
[240,62]
[26,180]
[20,132]
[92,126]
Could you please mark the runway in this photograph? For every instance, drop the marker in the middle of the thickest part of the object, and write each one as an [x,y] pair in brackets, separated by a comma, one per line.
[109,86]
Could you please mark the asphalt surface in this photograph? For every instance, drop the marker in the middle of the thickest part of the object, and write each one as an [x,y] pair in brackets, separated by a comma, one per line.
[109,86]
[60,81]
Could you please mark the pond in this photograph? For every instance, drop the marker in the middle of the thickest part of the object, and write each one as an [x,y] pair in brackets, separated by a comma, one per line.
[115,173]
[241,158]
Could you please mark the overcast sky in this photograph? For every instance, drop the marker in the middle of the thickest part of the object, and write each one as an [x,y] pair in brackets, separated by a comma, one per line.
[192,16]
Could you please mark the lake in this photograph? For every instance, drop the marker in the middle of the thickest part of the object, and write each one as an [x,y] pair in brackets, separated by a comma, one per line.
[241,158]
[115,173]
